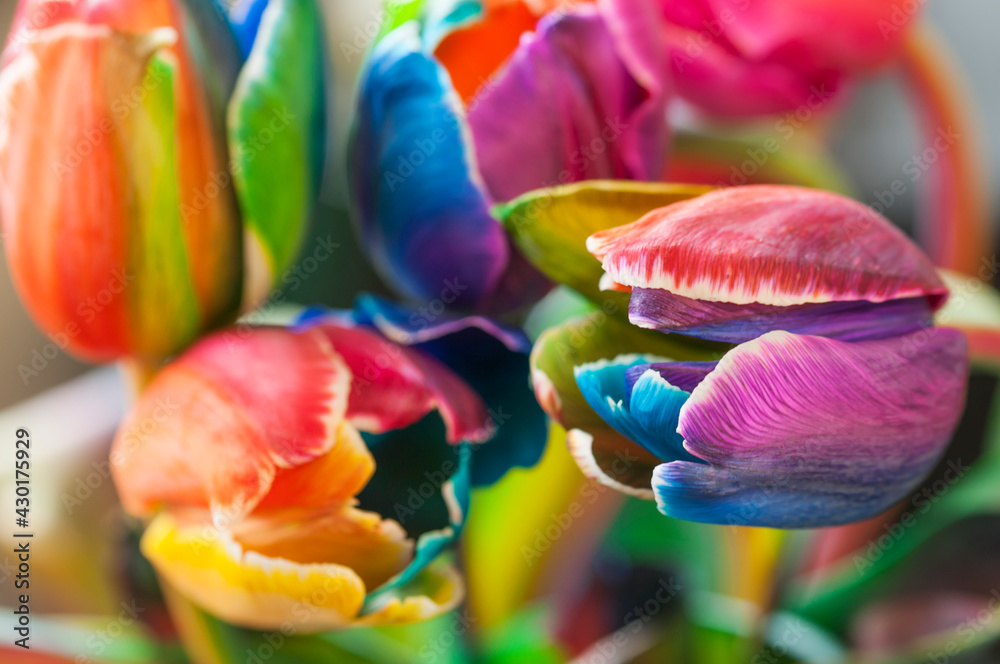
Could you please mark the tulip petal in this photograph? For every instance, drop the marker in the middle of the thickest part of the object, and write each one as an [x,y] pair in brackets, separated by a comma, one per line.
[550,226]
[421,206]
[814,432]
[597,336]
[606,460]
[247,588]
[647,414]
[490,357]
[437,590]
[683,375]
[374,548]
[276,129]
[769,244]
[601,452]
[331,479]
[568,100]
[394,386]
[853,35]
[245,17]
[735,323]
[210,432]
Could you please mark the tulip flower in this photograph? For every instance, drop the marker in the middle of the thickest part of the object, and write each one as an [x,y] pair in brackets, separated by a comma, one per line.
[744,58]
[303,476]
[491,358]
[461,111]
[829,393]
[139,164]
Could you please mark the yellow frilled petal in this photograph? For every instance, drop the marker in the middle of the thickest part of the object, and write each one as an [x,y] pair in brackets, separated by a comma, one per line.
[438,589]
[375,548]
[249,589]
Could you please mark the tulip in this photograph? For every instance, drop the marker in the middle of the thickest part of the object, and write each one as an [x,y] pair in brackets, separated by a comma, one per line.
[490,357]
[830,395]
[459,112]
[759,57]
[302,476]
[139,164]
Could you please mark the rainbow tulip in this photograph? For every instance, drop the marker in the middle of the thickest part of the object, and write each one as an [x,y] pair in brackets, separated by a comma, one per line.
[833,395]
[139,157]
[302,476]
[460,111]
[755,57]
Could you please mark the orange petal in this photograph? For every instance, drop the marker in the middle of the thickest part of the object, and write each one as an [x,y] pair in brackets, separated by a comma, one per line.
[375,548]
[215,426]
[333,478]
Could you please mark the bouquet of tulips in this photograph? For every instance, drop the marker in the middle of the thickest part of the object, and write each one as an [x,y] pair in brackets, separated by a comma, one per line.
[640,377]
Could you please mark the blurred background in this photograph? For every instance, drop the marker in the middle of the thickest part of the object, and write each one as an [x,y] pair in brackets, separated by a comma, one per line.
[873,154]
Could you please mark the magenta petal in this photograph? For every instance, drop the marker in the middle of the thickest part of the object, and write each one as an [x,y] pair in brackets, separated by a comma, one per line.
[568,107]
[394,386]
[768,244]
[849,428]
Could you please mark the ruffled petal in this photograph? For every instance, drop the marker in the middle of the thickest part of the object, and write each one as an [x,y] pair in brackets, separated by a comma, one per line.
[550,226]
[735,323]
[609,461]
[568,101]
[490,357]
[375,549]
[809,431]
[601,452]
[435,591]
[276,131]
[249,589]
[773,245]
[395,386]
[209,431]
[422,209]
[646,414]
[331,479]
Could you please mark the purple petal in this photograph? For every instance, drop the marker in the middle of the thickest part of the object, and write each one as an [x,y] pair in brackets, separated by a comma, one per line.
[812,431]
[567,107]
[735,323]
[683,375]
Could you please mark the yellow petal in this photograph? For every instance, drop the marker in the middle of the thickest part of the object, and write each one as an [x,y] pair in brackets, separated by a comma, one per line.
[246,588]
[374,548]
[438,589]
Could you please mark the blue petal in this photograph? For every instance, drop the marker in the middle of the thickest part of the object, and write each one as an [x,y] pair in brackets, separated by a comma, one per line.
[714,494]
[423,213]
[648,415]
[245,18]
